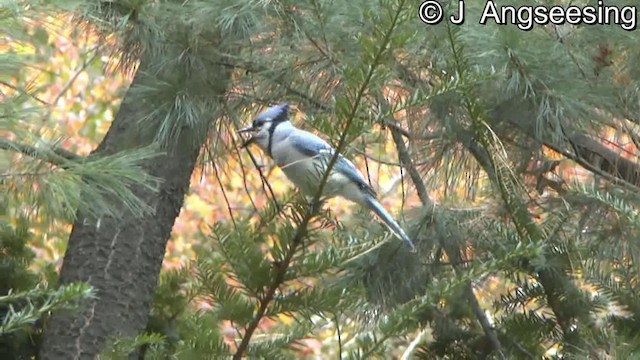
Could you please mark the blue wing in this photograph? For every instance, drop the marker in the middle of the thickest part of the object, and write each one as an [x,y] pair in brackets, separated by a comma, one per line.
[311,145]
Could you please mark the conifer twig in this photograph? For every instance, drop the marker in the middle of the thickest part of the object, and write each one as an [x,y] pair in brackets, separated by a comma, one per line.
[301,232]
[452,250]
[54,155]
[555,284]
[23,92]
[558,288]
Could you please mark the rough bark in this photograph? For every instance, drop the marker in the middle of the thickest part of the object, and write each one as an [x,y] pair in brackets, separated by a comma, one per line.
[121,257]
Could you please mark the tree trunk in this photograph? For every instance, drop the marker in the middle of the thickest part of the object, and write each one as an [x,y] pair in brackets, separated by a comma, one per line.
[121,257]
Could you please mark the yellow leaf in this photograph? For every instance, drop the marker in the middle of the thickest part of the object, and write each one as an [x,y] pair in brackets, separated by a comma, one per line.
[194,203]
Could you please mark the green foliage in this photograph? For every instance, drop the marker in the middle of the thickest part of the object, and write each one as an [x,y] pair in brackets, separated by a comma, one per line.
[14,262]
[233,286]
[77,184]
[36,169]
[24,302]
[67,297]
[43,182]
[552,270]
[121,348]
[535,263]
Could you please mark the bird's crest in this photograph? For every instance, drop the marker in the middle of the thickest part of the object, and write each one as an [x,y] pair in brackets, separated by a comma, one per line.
[275,113]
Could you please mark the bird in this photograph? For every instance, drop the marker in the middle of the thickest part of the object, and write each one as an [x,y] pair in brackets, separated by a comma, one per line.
[303,156]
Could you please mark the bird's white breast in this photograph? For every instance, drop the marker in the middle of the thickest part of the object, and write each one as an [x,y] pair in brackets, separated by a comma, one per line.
[306,173]
[303,171]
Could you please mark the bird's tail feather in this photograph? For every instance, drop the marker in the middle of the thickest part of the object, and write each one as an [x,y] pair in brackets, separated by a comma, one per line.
[377,208]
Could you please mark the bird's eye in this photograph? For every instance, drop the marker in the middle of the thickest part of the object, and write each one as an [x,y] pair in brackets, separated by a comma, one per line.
[259,122]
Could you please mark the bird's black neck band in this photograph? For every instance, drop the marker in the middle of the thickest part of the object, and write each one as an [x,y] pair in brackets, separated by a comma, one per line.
[272,129]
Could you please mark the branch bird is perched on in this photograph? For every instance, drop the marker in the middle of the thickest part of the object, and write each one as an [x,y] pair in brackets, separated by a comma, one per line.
[303,158]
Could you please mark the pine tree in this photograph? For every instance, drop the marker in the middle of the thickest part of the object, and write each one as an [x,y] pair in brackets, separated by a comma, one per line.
[521,148]
[170,105]
[481,109]
[42,185]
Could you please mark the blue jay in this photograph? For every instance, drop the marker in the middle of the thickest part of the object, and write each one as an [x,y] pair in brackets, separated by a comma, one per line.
[303,157]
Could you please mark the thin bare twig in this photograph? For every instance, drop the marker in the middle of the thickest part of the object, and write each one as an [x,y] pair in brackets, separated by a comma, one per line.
[337,321]
[245,182]
[265,183]
[73,79]
[217,174]
[224,194]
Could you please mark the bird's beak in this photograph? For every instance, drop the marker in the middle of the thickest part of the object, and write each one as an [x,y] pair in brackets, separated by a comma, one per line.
[244,130]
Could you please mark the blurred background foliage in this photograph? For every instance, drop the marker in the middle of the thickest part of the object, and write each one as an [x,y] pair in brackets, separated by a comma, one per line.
[527,228]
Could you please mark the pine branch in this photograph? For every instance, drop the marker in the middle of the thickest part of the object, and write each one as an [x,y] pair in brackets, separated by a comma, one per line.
[314,102]
[557,288]
[450,247]
[33,304]
[55,155]
[588,153]
[302,229]
[23,92]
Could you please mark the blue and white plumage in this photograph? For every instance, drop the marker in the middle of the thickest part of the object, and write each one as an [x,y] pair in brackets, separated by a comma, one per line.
[303,157]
